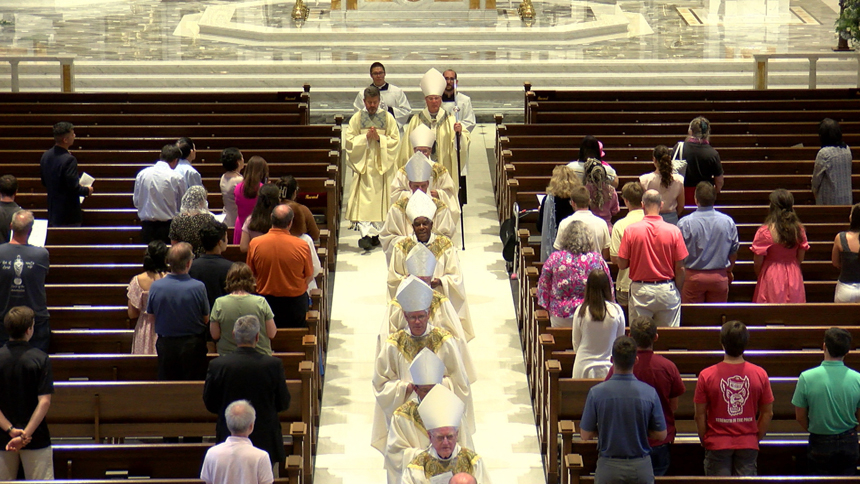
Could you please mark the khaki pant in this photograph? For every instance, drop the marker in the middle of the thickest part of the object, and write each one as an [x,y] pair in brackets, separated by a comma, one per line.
[38,464]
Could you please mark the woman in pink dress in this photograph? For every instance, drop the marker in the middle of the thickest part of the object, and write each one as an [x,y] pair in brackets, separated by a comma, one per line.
[604,198]
[779,247]
[154,268]
[256,173]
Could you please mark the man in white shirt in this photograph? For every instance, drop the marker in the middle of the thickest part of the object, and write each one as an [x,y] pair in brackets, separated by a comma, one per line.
[236,459]
[158,192]
[393,99]
[452,97]
[579,200]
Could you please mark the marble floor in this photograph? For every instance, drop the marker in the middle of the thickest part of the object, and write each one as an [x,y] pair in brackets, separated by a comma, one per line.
[505,436]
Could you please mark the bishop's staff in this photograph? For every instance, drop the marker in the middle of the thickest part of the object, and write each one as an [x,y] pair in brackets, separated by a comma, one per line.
[461,192]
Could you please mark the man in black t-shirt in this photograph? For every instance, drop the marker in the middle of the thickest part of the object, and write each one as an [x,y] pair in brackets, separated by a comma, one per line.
[8,207]
[27,383]
[23,268]
[211,268]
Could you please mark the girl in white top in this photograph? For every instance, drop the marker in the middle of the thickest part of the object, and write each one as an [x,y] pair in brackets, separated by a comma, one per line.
[233,162]
[670,185]
[596,324]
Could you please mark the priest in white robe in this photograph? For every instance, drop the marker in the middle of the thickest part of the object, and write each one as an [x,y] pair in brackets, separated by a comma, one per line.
[407,436]
[393,99]
[441,413]
[456,103]
[446,128]
[414,175]
[436,263]
[392,383]
[371,141]
[417,212]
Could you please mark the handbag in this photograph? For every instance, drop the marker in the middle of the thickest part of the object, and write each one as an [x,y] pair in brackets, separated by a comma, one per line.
[679,164]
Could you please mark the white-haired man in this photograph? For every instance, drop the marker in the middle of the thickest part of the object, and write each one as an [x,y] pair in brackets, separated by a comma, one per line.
[236,459]
[372,140]
[441,412]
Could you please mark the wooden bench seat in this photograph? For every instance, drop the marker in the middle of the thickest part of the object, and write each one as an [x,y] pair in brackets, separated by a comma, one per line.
[125,143]
[687,95]
[650,141]
[208,170]
[669,129]
[193,131]
[644,153]
[178,119]
[538,116]
[127,253]
[147,97]
[148,156]
[146,108]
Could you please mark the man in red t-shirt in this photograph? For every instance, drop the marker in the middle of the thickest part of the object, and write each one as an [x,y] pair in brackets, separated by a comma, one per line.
[734,406]
[654,251]
[664,376]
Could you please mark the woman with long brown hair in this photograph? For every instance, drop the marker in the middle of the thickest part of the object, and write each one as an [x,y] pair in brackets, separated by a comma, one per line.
[846,258]
[779,247]
[245,193]
[669,184]
[596,324]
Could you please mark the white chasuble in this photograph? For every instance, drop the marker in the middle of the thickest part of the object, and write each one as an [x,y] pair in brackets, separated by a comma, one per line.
[372,163]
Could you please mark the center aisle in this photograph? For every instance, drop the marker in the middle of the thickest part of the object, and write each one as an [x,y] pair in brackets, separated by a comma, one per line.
[506,437]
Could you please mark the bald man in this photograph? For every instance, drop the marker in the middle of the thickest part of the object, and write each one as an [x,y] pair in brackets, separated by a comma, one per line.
[463,478]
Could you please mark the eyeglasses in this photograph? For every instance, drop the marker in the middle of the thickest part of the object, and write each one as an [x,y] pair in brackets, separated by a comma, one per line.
[449,438]
[450,78]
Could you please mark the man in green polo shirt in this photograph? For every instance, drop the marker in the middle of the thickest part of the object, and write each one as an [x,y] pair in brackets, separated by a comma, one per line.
[827,404]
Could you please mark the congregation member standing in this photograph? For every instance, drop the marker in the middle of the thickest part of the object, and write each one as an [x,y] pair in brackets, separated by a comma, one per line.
[61,179]
[580,200]
[281,263]
[187,154]
[664,376]
[179,310]
[734,407]
[831,176]
[451,139]
[246,191]
[456,103]
[597,322]
[703,161]
[233,163]
[631,193]
[393,99]
[247,374]
[8,207]
[193,216]
[826,403]
[236,460]
[28,383]
[23,268]
[712,242]
[591,148]
[303,218]
[779,247]
[625,413]
[669,184]
[241,301]
[211,267]
[555,207]
[604,198]
[846,257]
[654,251]
[158,192]
[371,142]
[154,268]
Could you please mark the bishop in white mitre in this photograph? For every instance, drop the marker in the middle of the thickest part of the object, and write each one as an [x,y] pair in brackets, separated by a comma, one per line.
[444,125]
[441,413]
[392,382]
[403,217]
[407,436]
[437,183]
[442,272]
[371,141]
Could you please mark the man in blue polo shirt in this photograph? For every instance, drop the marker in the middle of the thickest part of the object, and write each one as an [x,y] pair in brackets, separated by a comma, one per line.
[179,308]
[626,413]
[827,401]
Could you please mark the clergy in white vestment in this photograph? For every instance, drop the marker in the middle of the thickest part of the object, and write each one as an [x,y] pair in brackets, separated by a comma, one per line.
[436,263]
[407,436]
[441,412]
[371,143]
[456,103]
[417,212]
[415,175]
[445,126]
[392,382]
[393,99]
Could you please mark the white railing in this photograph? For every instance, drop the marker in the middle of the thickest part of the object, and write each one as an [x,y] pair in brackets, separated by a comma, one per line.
[762,59]
[67,67]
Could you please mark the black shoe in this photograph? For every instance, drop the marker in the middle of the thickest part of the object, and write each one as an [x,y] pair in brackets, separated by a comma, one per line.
[365,243]
[375,240]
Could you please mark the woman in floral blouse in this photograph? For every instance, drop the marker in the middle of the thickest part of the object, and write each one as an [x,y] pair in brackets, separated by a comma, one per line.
[561,287]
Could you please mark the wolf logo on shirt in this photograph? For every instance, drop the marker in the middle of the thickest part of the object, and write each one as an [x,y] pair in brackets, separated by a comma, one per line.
[735,392]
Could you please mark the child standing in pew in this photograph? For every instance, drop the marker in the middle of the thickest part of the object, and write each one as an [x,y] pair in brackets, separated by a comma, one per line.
[604,198]
[154,268]
[779,247]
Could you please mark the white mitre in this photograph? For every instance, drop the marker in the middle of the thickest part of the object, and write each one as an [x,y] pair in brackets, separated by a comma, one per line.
[420,205]
[420,261]
[427,368]
[422,136]
[418,168]
[413,294]
[433,83]
[441,408]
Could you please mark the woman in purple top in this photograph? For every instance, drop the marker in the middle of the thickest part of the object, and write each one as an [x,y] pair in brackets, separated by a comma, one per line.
[561,287]
[260,220]
[256,174]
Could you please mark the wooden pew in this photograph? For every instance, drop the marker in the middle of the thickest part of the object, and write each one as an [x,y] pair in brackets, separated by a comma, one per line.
[539,116]
[155,143]
[669,129]
[724,480]
[193,131]
[685,95]
[178,119]
[147,97]
[211,169]
[206,156]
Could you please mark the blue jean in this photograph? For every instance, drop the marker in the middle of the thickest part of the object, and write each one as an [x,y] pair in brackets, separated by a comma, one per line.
[660,459]
[833,455]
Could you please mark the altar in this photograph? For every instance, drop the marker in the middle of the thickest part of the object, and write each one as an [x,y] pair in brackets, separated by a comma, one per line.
[413,9]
